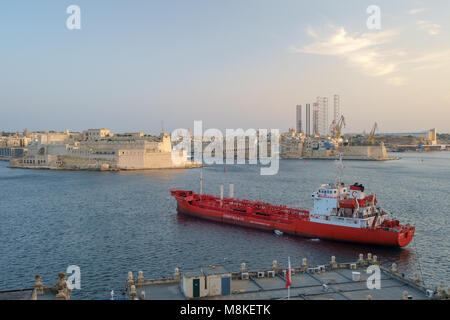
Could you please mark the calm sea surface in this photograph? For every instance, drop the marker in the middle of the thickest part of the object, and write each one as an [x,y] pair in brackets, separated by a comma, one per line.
[109,223]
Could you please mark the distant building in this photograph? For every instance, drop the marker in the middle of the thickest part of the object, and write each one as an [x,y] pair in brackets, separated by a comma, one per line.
[11,152]
[291,145]
[96,133]
[99,149]
[429,136]
[298,118]
[308,119]
[13,145]
[315,119]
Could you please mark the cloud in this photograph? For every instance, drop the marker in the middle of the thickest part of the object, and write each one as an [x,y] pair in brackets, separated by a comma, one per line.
[362,51]
[430,60]
[312,33]
[396,81]
[373,53]
[432,28]
[416,11]
[447,98]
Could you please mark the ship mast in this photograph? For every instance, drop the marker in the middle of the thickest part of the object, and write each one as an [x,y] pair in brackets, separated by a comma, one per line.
[201,180]
[340,174]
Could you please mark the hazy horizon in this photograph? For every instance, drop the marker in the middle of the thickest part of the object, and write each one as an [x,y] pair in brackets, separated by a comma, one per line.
[231,64]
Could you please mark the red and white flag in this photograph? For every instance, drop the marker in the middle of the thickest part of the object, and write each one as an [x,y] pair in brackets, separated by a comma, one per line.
[288,274]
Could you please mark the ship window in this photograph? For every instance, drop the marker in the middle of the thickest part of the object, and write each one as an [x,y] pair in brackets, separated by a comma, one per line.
[262,214]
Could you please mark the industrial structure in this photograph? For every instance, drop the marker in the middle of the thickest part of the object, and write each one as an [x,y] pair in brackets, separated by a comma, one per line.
[326,140]
[372,133]
[299,119]
[323,117]
[337,108]
[321,127]
[319,117]
[308,120]
[315,119]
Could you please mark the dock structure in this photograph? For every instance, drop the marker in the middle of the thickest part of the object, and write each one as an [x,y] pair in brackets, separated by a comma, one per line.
[60,291]
[333,281]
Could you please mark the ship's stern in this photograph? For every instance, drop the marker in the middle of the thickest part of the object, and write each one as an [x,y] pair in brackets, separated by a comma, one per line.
[405,236]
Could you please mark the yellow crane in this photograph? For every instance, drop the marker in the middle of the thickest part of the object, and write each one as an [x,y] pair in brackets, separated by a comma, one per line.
[372,133]
[336,128]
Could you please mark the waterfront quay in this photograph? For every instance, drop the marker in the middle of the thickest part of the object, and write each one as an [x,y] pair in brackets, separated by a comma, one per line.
[334,281]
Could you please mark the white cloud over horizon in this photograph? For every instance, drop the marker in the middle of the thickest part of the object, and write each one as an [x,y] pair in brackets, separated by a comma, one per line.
[432,28]
[396,81]
[374,54]
[416,11]
[361,51]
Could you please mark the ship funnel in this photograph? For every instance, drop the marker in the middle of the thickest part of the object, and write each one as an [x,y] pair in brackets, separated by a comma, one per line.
[231,190]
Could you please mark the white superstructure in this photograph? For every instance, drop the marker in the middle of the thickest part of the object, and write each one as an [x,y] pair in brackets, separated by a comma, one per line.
[336,204]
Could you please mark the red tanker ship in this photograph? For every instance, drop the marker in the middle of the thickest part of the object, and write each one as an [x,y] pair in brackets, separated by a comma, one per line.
[339,214]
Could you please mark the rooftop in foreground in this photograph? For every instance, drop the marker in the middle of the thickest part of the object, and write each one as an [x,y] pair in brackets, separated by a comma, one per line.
[335,281]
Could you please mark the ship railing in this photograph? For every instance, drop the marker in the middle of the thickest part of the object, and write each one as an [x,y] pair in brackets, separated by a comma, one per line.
[275,212]
[267,213]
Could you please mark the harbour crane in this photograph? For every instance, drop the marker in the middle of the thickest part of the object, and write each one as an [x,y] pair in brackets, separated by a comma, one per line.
[336,127]
[331,129]
[372,133]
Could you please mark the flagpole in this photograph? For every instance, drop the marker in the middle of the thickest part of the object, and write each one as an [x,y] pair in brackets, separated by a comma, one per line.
[289,270]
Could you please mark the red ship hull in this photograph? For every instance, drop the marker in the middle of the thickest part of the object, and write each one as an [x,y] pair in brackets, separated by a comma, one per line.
[291,221]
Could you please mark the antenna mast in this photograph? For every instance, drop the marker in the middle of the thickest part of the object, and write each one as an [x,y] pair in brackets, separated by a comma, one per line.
[201,180]
[341,167]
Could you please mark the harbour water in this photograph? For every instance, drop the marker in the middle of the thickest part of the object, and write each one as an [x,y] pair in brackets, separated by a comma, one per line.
[109,223]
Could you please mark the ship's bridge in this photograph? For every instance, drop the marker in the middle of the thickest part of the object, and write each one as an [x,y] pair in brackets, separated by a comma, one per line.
[326,198]
[330,191]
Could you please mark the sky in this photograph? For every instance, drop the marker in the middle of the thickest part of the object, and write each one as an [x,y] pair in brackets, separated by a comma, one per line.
[146,65]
